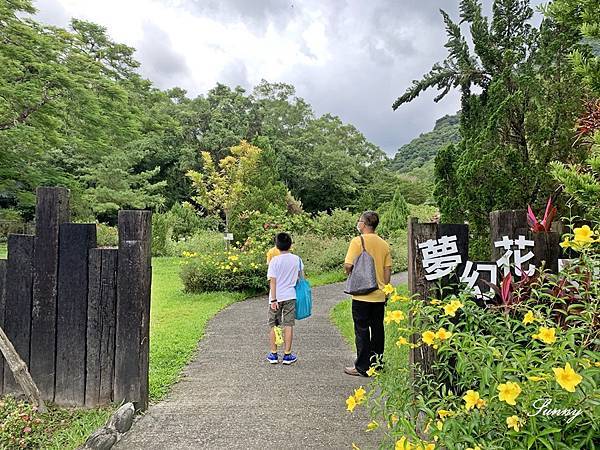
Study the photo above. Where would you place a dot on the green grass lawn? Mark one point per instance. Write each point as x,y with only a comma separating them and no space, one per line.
3,251
341,316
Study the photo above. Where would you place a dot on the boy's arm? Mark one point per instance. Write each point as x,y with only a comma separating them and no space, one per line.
273,299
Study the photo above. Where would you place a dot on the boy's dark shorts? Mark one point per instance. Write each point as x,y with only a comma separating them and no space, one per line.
285,315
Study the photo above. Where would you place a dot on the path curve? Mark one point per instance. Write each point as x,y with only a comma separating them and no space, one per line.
229,397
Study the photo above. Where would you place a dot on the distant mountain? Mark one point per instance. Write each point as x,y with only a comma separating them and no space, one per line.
424,148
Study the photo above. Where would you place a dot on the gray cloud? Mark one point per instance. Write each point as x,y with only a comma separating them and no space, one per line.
51,12
160,62
235,74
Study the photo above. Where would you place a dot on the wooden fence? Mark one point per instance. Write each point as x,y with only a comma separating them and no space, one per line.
78,315
504,226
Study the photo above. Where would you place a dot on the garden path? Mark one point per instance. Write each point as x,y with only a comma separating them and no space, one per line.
229,397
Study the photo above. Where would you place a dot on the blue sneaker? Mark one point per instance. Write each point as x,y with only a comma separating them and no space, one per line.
289,359
273,358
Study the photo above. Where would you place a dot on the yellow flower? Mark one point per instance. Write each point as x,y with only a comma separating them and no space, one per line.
535,378
451,308
567,377
402,341
584,234
403,444
278,336
597,363
471,399
428,337
481,403
546,335
351,403
439,425
442,334
566,243
477,447
394,316
372,425
394,419
359,394
388,289
371,372
444,413
435,301
514,422
355,447
509,392
529,318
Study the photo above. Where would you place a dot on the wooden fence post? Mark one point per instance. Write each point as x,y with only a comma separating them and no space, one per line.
509,223
52,209
2,306
75,241
134,275
101,325
17,315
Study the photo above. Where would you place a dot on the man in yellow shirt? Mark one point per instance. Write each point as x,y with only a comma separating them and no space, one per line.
368,310
272,253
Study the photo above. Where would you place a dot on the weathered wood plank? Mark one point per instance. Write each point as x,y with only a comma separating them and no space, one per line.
417,284
546,250
101,325
17,315
461,231
75,241
52,210
2,306
133,308
509,223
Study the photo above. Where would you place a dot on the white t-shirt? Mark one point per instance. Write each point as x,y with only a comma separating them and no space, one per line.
285,268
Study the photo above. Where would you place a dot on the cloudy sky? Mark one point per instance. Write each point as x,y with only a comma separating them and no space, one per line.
352,58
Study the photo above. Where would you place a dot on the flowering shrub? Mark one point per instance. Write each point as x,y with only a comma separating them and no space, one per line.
523,374
232,270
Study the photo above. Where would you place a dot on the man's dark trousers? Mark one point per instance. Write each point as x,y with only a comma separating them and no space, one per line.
368,332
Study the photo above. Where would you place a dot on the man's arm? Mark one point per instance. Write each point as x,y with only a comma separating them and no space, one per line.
348,268
387,275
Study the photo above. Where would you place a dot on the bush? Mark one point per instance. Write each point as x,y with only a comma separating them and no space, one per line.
341,223
107,236
394,216
201,242
186,221
399,248
321,255
496,367
162,233
232,270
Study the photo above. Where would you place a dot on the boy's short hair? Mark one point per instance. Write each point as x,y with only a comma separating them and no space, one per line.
283,241
370,219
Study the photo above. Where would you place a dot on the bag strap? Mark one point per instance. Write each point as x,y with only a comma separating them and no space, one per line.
362,241
300,268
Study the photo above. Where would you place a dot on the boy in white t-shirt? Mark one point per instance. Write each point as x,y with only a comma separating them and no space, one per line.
283,274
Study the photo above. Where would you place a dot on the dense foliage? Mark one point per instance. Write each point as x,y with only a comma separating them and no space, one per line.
424,148
520,100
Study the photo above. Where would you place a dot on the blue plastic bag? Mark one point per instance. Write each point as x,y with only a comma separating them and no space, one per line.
303,297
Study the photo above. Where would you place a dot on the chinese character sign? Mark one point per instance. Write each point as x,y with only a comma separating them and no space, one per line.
440,257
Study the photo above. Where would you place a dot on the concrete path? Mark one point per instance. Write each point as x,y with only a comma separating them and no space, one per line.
229,397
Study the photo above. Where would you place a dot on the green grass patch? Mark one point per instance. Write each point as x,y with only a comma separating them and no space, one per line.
3,251
177,323
341,316
323,278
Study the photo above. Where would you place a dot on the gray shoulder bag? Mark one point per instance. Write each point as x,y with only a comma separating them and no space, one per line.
362,279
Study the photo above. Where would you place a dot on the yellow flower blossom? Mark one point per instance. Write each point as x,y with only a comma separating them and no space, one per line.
388,289
546,335
566,243
278,336
359,394
508,392
355,447
372,425
584,234
471,399
435,301
443,413
529,318
371,372
481,403
394,419
442,334
514,422
394,316
402,341
535,378
451,308
428,337
597,364
351,403
477,447
567,377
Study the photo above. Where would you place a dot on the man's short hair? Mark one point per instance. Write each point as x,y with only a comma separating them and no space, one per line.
370,218
283,241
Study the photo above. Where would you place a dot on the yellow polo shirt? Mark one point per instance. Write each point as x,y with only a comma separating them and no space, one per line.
272,253
380,252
